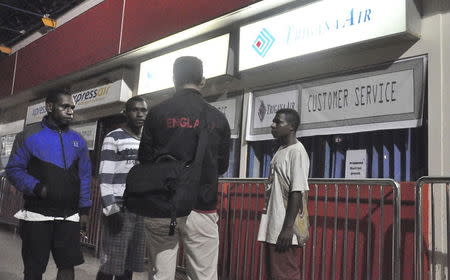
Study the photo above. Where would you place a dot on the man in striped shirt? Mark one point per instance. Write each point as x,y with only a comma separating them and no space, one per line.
123,232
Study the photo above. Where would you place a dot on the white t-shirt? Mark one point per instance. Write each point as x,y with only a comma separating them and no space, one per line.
288,173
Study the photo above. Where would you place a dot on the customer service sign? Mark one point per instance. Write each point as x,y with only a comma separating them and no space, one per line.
319,26
385,96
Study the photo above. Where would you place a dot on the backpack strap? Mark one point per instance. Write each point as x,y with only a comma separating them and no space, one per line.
198,159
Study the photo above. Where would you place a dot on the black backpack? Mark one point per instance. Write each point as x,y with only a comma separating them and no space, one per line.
167,185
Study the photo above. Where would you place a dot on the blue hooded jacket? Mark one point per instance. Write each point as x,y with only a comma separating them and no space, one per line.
57,159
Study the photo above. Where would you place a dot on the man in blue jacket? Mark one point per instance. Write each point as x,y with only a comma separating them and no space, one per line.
50,165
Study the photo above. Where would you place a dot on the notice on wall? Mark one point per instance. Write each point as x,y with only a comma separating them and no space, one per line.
6,145
356,164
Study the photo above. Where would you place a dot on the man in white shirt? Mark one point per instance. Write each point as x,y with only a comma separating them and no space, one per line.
285,197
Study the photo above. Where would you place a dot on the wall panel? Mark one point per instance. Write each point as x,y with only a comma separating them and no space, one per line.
6,75
87,39
148,21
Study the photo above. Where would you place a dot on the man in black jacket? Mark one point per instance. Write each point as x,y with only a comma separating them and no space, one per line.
172,128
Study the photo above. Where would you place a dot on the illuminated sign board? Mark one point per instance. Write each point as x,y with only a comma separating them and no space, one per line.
157,73
117,91
388,96
319,26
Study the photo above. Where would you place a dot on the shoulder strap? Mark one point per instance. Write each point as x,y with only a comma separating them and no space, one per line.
203,137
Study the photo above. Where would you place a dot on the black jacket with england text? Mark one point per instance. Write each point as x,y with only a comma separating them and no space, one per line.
172,128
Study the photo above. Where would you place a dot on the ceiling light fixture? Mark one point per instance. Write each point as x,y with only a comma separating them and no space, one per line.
5,50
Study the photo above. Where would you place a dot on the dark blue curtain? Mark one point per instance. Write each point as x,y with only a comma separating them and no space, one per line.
398,154
233,167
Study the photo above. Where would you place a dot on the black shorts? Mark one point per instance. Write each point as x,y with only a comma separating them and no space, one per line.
62,238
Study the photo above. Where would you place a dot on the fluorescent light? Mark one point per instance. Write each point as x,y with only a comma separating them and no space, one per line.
156,73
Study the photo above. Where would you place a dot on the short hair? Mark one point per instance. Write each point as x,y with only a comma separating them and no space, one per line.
292,117
52,95
133,100
187,70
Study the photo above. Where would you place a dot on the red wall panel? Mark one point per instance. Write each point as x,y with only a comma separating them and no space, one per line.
94,36
6,75
83,41
148,21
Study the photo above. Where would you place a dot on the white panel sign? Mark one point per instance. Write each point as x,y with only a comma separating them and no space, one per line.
36,112
157,73
265,107
117,91
380,95
88,131
387,96
319,26
228,108
11,127
356,164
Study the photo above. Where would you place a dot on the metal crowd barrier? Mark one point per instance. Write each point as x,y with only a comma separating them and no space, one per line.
11,201
93,234
354,233
429,257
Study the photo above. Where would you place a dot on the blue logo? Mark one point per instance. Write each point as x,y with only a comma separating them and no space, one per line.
263,42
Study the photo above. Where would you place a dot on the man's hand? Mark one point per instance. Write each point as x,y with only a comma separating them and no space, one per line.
114,222
284,240
84,222
40,190
44,192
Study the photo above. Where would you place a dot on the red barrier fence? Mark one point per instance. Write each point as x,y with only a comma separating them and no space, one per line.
357,230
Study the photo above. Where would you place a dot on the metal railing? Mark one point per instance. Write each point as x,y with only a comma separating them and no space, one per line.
11,201
430,254
354,234
355,229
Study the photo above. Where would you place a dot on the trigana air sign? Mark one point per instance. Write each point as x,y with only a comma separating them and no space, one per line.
156,74
117,91
319,26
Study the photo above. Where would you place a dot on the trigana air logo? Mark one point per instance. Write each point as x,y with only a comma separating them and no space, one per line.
262,110
263,42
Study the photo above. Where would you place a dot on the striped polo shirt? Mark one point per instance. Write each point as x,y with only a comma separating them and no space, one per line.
119,154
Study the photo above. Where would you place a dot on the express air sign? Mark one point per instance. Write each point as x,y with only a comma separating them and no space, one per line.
319,26
117,91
